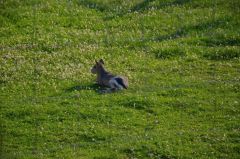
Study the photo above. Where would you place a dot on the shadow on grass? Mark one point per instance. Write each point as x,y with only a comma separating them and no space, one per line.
221,41
222,54
94,87
211,24
93,5
139,7
182,32
145,5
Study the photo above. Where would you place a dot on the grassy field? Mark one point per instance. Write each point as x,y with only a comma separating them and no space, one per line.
182,58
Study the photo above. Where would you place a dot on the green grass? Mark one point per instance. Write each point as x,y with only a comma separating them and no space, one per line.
181,58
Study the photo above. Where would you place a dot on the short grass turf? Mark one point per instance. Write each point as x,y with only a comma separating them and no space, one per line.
181,58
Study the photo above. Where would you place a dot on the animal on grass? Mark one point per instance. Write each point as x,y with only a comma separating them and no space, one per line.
107,79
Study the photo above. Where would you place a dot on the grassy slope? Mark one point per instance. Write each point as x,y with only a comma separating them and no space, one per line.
182,59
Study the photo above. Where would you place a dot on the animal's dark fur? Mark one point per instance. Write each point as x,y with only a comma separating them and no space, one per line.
120,81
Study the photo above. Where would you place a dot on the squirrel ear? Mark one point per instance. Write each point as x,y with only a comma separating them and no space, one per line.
101,60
